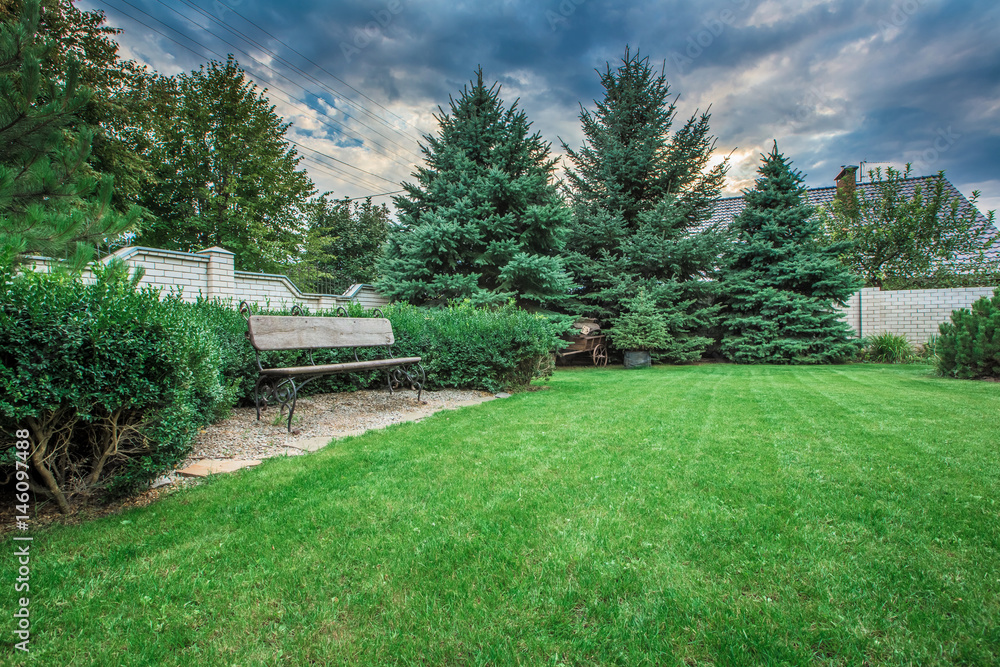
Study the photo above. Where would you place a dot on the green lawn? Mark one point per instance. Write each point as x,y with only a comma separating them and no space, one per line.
714,514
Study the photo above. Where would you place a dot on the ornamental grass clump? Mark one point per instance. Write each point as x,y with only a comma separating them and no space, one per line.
889,348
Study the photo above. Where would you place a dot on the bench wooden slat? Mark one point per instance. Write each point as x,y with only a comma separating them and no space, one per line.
273,332
346,367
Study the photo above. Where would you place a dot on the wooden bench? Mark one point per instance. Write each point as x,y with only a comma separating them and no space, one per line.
295,332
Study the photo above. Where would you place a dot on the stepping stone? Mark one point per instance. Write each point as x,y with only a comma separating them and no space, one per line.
501,394
311,444
214,467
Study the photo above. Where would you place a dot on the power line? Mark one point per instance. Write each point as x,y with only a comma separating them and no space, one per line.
364,171
217,54
319,67
316,165
381,194
271,69
249,39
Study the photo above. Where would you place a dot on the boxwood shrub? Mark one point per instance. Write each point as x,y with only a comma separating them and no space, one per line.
111,381
462,346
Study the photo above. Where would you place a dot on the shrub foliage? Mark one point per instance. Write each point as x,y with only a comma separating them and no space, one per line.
110,381
969,345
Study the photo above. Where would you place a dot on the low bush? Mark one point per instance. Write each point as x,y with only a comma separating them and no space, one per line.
110,381
969,345
889,348
491,349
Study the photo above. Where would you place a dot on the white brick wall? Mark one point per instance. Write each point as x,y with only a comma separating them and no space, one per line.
209,273
915,314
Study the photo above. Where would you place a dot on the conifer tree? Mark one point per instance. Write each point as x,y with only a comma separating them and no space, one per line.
641,195
484,220
51,202
782,283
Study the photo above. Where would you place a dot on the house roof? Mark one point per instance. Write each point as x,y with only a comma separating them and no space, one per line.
728,208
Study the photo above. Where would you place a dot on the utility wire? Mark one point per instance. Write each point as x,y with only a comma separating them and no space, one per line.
274,71
364,171
304,105
320,67
263,48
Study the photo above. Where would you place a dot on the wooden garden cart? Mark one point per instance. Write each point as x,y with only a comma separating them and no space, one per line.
586,341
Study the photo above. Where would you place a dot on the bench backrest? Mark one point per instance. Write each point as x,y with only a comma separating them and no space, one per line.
272,332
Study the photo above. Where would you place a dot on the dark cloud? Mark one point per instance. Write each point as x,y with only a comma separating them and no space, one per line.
834,82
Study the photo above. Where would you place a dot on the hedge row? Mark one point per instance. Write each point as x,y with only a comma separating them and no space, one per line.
113,381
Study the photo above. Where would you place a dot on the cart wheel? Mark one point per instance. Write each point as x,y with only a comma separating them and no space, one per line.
600,355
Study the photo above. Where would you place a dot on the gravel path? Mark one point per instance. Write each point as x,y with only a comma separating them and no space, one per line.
324,416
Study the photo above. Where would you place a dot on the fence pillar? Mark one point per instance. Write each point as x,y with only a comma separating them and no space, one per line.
221,278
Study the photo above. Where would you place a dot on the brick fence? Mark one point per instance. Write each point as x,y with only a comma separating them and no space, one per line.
914,313
210,273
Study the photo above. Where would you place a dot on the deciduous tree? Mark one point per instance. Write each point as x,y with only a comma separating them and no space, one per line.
225,174
897,232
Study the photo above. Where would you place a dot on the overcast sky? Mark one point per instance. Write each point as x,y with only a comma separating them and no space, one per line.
835,83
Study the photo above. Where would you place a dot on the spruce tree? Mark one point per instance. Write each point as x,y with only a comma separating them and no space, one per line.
782,283
484,220
51,202
641,196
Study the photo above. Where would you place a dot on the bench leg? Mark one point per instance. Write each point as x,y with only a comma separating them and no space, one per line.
286,393
414,375
257,396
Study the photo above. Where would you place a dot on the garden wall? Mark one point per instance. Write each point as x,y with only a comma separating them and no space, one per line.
210,273
915,313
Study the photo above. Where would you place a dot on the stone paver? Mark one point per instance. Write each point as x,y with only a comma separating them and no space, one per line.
214,466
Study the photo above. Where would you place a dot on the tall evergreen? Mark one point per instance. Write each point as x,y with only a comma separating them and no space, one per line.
484,220
641,196
782,283
51,202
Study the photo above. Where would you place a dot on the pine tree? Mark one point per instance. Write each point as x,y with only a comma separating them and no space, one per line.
484,220
226,176
782,283
51,201
641,196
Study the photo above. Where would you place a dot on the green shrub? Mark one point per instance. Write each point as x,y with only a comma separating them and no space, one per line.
491,349
969,345
111,381
889,348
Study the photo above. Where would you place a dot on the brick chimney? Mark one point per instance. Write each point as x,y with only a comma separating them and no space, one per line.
847,180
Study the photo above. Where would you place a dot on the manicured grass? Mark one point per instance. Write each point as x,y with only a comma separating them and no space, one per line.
676,515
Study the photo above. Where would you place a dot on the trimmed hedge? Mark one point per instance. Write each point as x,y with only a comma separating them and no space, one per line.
111,381
969,345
